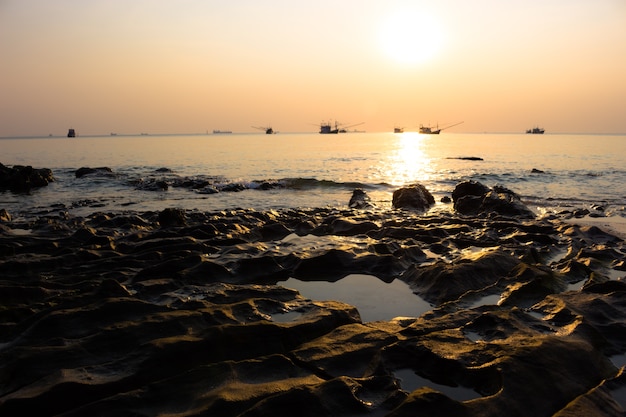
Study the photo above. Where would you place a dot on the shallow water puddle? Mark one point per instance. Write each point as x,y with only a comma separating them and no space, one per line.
619,395
618,360
410,381
375,299
487,300
286,317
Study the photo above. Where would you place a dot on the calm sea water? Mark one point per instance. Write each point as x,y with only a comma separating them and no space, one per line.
289,170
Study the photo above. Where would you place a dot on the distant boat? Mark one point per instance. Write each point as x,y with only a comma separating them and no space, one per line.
435,130
113,134
398,130
220,132
71,133
326,128
268,130
429,130
536,131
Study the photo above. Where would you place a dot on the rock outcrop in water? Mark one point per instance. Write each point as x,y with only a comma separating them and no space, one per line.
413,197
360,200
183,313
22,179
472,197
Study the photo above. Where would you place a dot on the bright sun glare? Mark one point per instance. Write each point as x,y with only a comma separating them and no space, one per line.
410,36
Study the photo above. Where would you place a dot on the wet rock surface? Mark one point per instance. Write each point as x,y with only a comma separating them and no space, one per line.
22,179
180,313
472,198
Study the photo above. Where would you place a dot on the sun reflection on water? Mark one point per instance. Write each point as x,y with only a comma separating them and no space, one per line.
409,163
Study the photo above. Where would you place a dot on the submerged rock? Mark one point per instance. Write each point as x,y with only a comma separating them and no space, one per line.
101,171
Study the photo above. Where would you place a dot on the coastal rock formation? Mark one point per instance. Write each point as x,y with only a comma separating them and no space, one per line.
360,200
472,198
21,179
101,171
413,197
187,313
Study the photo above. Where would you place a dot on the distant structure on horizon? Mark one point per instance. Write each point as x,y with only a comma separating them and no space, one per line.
221,132
536,131
71,133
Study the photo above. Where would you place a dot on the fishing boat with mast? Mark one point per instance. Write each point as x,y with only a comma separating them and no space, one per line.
435,130
327,128
268,130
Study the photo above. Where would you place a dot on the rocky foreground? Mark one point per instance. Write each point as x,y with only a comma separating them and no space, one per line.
179,314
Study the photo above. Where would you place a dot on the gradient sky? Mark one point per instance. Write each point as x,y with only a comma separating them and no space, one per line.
184,66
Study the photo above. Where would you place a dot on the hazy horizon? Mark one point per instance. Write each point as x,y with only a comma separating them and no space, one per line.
192,66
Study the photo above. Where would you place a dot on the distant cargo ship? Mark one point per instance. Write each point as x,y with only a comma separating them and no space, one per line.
220,132
71,133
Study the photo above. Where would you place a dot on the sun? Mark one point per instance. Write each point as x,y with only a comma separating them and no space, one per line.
410,36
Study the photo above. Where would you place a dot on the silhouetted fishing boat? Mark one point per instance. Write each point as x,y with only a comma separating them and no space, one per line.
398,130
71,133
268,130
435,130
536,131
326,128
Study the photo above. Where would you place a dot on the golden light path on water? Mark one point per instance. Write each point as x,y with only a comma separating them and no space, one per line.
409,161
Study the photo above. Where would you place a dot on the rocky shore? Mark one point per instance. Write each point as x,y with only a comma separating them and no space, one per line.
180,313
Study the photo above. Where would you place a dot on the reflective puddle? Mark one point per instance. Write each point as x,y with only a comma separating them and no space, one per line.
375,299
410,381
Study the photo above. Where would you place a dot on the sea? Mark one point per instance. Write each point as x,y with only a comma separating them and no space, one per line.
215,172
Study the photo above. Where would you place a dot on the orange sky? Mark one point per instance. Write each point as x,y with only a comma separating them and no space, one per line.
184,66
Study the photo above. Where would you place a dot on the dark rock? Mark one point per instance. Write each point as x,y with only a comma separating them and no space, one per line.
5,216
505,202
172,217
445,199
471,198
578,213
536,171
468,158
469,188
443,282
349,227
151,185
360,200
414,197
101,171
21,179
